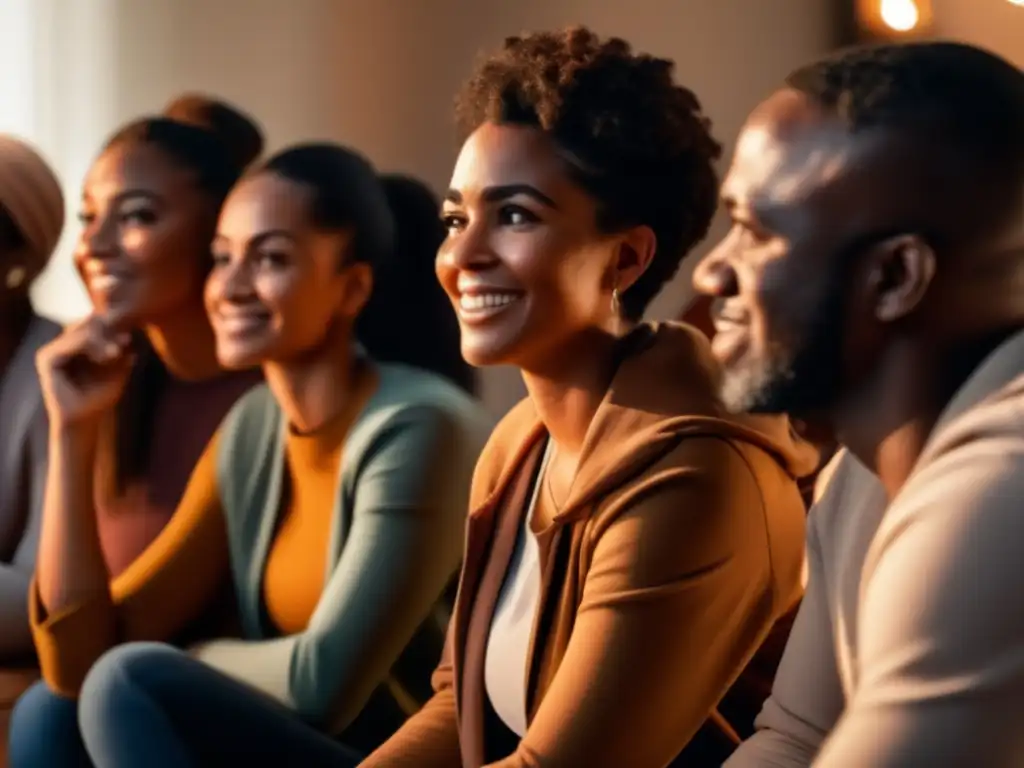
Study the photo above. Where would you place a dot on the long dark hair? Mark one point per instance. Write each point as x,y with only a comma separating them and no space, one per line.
216,142
424,332
397,231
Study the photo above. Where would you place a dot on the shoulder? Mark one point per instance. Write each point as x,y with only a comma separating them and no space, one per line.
416,407
974,461
701,479
22,393
255,407
249,429
974,477
706,499
698,510
961,505
409,395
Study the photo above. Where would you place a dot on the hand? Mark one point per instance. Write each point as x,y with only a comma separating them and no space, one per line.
83,372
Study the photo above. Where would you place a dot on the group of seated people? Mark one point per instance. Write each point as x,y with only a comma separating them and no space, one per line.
251,509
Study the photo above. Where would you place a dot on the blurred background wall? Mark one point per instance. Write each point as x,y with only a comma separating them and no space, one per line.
381,74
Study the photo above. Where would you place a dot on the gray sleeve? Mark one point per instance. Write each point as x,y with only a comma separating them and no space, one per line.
36,455
404,545
806,699
16,637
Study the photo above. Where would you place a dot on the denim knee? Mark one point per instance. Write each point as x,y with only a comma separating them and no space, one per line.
119,675
44,731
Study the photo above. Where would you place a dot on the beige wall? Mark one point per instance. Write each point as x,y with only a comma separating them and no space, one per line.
994,24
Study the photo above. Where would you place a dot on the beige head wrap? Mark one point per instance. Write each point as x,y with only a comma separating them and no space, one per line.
31,195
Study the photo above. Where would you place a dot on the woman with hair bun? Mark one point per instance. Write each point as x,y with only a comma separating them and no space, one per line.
332,501
133,392
407,288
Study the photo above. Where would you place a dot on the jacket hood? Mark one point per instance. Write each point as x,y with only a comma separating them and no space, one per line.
665,388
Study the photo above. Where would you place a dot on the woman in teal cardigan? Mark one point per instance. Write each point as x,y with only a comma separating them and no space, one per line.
332,500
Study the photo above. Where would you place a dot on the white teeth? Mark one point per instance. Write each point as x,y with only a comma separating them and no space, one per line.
239,323
103,283
478,301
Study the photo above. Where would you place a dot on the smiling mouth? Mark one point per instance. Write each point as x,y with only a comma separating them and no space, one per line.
483,306
104,283
728,324
240,325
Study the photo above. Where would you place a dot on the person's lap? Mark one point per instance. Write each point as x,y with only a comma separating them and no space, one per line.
43,731
14,681
147,704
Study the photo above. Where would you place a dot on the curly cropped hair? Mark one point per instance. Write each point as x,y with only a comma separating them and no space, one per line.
968,103
634,139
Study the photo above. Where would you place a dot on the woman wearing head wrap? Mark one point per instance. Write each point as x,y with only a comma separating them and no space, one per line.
31,219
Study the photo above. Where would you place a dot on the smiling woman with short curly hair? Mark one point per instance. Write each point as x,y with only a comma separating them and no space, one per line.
629,545
630,135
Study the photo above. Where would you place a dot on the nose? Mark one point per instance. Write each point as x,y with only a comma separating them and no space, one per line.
470,249
97,241
714,275
231,282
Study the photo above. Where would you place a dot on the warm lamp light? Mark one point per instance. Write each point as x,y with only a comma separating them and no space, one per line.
900,15
889,19
1016,2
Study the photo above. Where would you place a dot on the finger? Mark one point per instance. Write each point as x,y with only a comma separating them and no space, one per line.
102,350
108,327
90,339
117,322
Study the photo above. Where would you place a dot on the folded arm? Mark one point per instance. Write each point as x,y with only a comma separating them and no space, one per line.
402,549
156,597
678,596
939,627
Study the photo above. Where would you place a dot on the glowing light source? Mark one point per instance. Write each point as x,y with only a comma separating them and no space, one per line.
902,15
1016,2
878,20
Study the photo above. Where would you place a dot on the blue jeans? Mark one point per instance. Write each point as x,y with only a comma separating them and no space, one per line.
151,705
44,732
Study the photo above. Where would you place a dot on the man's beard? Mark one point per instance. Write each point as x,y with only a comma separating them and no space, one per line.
803,378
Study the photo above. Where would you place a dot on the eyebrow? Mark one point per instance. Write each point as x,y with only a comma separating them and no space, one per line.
257,240
730,204
127,194
746,213
504,192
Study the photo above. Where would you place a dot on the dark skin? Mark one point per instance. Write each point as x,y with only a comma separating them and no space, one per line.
832,303
15,317
15,306
143,253
521,231
282,295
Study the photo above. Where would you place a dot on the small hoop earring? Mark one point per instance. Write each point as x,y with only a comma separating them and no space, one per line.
15,277
615,302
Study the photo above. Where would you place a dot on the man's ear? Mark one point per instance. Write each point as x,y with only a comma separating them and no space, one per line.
902,271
